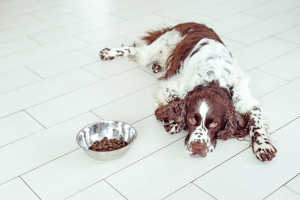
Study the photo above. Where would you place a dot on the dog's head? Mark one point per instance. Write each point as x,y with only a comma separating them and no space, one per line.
207,113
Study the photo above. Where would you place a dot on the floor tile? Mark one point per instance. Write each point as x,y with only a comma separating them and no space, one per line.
76,170
41,147
262,52
190,191
100,93
61,63
16,45
15,79
283,193
265,29
273,8
137,28
244,177
138,106
102,189
262,83
43,91
16,189
105,70
31,56
233,23
284,66
173,167
17,126
281,106
294,185
291,35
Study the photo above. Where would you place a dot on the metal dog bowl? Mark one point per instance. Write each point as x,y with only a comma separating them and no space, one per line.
110,129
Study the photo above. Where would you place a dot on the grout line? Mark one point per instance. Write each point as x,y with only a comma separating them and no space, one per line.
260,65
231,157
204,191
41,165
31,116
280,186
20,138
93,113
126,166
108,183
124,96
144,157
83,189
142,119
277,36
223,162
175,191
290,189
30,188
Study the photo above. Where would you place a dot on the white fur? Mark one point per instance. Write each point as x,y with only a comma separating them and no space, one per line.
159,50
212,62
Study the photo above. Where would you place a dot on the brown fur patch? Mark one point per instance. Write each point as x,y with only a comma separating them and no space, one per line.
192,33
153,35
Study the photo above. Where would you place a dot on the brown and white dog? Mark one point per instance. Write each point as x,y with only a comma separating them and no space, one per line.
202,89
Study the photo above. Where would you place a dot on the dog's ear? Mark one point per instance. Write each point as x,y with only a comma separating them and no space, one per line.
236,125
231,124
174,113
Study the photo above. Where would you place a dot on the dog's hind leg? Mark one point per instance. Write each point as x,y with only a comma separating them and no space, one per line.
152,53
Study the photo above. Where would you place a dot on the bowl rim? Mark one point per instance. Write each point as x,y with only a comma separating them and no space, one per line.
106,121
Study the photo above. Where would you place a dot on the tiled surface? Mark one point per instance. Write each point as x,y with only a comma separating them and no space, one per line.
261,178
52,84
102,189
294,185
283,193
16,189
190,191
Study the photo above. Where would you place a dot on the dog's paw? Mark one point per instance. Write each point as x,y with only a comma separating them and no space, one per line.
156,68
106,54
263,149
171,127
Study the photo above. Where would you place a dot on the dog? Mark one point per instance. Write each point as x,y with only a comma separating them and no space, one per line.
202,90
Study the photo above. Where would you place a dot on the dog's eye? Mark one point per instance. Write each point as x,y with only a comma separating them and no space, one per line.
194,119
212,124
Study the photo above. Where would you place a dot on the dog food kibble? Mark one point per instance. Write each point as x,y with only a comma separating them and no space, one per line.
108,144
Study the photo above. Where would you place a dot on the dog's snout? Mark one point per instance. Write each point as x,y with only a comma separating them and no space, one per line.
199,148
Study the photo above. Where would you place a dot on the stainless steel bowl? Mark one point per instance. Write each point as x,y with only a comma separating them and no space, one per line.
110,129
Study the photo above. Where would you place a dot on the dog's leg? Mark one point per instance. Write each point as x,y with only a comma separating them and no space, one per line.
110,54
261,143
154,55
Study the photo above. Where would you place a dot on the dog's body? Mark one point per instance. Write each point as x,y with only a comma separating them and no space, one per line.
202,89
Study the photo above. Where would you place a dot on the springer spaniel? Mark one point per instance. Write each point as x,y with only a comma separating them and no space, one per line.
202,89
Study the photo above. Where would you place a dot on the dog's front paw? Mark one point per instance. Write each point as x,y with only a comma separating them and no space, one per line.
171,127
106,54
263,148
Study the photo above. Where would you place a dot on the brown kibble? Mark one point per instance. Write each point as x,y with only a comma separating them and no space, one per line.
107,144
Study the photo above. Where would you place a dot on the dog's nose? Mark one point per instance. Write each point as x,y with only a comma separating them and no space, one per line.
199,148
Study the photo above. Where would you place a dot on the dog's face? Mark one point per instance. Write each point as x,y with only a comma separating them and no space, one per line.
205,119
207,113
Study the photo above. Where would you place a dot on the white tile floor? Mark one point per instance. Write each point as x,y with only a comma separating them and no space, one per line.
52,84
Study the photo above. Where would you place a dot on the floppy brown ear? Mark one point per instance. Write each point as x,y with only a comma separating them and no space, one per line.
231,125
237,125
172,114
